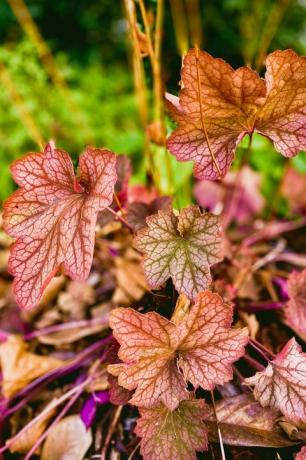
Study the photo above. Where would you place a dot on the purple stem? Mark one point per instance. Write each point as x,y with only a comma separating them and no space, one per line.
66,326
254,307
55,421
259,367
30,390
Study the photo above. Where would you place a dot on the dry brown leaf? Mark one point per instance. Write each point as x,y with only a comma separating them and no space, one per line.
19,366
243,422
131,282
68,440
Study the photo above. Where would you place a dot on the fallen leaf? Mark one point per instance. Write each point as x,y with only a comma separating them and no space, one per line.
67,440
131,283
282,384
19,366
218,106
174,434
160,357
53,216
244,422
295,312
182,248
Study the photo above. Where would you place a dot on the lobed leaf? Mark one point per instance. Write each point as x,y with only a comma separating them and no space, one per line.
218,106
160,357
283,383
53,216
174,434
182,248
295,312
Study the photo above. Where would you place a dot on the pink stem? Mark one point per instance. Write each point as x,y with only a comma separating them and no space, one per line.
121,219
66,326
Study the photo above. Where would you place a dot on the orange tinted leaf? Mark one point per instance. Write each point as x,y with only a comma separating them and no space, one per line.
172,435
296,307
160,357
283,383
182,248
53,216
283,116
218,106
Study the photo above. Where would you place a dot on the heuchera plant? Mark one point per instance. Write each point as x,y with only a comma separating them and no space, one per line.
163,363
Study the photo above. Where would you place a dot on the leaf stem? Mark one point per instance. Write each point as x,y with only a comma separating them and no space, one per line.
263,348
122,220
255,364
111,432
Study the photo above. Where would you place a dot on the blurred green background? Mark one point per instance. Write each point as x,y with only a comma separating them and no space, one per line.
90,98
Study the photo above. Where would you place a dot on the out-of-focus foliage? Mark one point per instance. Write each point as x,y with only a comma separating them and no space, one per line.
104,97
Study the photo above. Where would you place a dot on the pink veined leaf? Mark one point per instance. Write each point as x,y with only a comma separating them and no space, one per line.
181,247
218,106
172,435
53,216
282,384
295,312
302,454
160,357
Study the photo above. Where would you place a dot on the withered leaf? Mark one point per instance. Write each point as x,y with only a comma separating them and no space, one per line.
218,106
53,216
244,422
182,248
160,357
67,440
172,435
282,384
19,366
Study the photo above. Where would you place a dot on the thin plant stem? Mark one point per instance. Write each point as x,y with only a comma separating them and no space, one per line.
111,432
122,220
255,364
62,413
47,409
260,345
218,427
25,116
66,326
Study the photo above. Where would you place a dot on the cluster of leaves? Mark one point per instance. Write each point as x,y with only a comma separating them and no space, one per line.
165,364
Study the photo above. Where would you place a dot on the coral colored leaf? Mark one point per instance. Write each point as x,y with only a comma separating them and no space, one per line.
282,118
302,454
182,247
218,106
160,357
53,216
295,312
170,435
283,383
